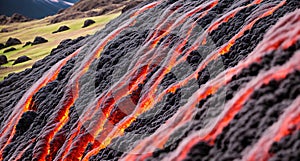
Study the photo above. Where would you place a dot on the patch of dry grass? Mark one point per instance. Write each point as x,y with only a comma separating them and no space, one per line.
29,30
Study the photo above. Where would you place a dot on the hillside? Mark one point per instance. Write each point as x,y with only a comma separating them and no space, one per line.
27,31
88,8
170,80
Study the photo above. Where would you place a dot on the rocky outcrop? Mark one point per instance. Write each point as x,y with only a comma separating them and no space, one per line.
12,41
39,40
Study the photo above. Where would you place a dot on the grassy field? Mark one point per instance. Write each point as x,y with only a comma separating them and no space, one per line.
29,30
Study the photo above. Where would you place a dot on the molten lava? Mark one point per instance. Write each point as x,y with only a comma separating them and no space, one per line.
170,80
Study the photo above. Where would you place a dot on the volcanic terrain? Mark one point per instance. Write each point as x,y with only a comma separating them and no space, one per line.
207,80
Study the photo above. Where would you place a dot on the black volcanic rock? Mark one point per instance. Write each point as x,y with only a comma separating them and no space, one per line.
9,50
150,92
3,59
39,40
12,41
27,43
91,8
61,29
2,46
25,122
21,59
88,22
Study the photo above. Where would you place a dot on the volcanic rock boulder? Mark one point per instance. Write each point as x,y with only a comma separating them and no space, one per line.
27,44
168,80
61,29
39,40
2,46
12,41
9,50
3,59
21,59
88,22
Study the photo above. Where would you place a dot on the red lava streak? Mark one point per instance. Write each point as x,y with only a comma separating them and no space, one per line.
25,102
290,118
126,90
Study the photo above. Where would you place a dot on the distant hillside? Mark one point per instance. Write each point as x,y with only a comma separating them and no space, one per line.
14,18
90,8
34,8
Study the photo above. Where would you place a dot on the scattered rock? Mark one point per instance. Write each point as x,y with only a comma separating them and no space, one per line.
3,59
27,43
12,41
39,40
88,22
61,29
3,30
21,59
9,50
2,46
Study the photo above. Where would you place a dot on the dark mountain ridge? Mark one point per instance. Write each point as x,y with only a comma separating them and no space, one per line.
34,8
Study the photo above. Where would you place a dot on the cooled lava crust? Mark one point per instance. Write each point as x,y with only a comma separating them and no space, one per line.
168,80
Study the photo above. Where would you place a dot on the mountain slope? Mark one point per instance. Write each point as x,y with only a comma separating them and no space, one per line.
33,8
193,80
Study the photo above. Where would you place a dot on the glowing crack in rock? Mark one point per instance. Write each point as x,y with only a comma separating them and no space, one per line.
168,80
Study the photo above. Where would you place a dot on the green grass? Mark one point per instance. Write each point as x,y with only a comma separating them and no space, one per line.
29,30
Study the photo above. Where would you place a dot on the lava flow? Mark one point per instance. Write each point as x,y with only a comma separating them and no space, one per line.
166,80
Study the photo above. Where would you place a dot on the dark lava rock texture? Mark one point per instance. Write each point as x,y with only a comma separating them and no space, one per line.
201,80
